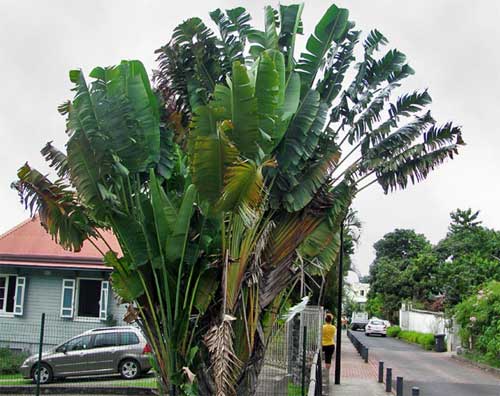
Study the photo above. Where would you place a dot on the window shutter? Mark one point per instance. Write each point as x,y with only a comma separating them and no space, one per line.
19,297
67,298
103,302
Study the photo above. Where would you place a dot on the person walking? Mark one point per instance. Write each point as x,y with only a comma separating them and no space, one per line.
328,340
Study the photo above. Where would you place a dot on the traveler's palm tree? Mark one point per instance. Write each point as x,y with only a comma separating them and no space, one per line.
241,157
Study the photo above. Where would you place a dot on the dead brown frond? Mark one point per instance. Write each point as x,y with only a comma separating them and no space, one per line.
225,365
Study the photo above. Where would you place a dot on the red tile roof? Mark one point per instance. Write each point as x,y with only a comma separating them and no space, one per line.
28,244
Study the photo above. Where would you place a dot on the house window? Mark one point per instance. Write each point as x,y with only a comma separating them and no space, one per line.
12,294
362,293
89,294
84,298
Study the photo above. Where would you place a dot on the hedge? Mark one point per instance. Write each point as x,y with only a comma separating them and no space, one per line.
10,361
425,340
393,331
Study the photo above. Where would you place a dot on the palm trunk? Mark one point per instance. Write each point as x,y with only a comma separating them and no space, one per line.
248,382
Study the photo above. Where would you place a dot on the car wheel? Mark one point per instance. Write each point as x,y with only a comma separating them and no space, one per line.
129,369
45,374
367,334
384,335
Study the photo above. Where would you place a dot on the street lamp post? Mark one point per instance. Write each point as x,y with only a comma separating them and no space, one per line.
339,305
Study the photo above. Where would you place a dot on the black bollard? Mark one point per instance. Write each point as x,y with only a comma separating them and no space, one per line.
399,386
388,380
380,372
366,354
415,391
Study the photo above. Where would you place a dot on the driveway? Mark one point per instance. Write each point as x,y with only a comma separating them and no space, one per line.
436,374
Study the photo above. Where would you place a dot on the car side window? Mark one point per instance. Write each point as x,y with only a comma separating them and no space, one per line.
129,338
106,340
78,344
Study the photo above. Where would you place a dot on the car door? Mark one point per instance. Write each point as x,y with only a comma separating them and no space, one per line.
71,358
104,352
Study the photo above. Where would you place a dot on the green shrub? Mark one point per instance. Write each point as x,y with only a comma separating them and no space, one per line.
10,361
393,331
424,339
479,320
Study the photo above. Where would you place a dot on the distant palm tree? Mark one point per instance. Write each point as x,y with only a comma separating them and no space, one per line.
242,157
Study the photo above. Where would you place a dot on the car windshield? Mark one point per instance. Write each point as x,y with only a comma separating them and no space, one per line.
377,322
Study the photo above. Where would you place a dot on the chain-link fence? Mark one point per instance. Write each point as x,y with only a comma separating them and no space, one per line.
290,354
81,356
85,356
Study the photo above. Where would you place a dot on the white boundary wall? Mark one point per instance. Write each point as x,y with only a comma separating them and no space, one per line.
421,321
428,322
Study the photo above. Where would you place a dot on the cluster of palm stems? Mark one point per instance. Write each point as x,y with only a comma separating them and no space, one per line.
229,175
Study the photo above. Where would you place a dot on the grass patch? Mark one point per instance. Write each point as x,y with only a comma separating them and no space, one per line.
145,382
294,390
480,358
13,379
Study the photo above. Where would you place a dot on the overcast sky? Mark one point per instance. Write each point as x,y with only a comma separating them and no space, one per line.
453,45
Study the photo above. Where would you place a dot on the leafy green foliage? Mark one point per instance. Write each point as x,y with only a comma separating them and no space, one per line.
375,306
425,340
331,28
393,331
228,174
10,361
479,319
469,256
404,269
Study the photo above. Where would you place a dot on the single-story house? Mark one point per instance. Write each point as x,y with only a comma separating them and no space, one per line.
38,276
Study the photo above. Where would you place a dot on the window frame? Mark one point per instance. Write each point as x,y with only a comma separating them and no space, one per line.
73,292
3,311
90,319
19,308
5,294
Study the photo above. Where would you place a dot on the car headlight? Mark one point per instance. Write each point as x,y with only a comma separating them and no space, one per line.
28,361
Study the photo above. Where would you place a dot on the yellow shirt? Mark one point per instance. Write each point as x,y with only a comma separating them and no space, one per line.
329,331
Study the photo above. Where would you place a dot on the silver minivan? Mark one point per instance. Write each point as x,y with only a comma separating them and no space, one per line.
122,350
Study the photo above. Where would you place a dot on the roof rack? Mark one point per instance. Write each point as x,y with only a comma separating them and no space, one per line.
111,328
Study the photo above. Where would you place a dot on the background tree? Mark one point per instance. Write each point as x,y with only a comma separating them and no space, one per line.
479,319
404,268
469,255
241,159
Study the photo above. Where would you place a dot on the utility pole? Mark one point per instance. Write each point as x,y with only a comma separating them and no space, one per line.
339,305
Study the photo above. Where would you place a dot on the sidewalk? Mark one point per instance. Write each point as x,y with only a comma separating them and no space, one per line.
357,377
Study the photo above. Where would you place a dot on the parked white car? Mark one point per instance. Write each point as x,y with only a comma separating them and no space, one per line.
376,326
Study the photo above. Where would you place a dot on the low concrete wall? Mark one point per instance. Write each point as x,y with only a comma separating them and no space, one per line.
422,321
429,322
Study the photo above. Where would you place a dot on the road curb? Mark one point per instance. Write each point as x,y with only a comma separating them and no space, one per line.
484,367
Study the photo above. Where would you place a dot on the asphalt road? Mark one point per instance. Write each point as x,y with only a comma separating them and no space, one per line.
436,374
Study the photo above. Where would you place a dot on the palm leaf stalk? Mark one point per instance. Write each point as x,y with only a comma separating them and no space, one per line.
241,161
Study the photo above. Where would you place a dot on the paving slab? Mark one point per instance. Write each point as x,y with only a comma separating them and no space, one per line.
357,377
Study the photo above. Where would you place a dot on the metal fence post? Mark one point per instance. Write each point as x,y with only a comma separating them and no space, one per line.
304,345
415,391
380,372
319,375
388,380
399,386
42,327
